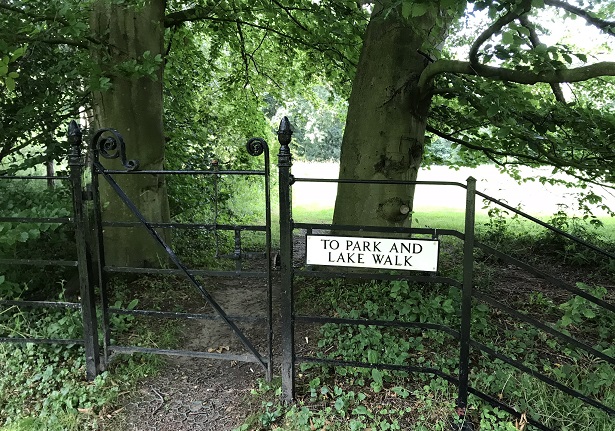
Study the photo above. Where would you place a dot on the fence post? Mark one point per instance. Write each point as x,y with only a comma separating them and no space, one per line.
466,296
286,262
88,305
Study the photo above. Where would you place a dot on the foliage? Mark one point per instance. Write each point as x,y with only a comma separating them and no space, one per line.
220,62
318,117
30,199
350,398
511,235
43,386
497,119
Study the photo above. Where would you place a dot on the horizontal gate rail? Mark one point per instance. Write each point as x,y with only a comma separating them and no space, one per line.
51,220
170,271
63,341
390,367
435,279
203,226
189,354
41,304
384,182
384,323
187,172
40,262
187,316
33,177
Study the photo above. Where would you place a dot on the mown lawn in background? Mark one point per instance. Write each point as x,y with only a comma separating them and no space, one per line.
449,219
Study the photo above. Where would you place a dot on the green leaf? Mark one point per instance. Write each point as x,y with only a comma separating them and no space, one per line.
419,9
566,320
508,38
339,404
377,376
18,53
10,83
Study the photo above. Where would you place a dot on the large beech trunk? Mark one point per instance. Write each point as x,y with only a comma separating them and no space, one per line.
134,107
386,121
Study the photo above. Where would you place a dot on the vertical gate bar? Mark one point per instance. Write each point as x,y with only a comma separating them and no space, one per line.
100,260
466,296
286,262
269,375
88,304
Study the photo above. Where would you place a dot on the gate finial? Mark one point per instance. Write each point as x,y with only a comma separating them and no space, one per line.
74,139
285,133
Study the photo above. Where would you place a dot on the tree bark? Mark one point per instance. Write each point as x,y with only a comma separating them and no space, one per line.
134,107
385,126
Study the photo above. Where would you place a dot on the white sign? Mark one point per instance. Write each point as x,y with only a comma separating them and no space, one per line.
385,253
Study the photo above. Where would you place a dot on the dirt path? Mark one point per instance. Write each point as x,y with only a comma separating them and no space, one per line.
202,394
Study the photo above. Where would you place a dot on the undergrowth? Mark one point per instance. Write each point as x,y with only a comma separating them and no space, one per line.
357,398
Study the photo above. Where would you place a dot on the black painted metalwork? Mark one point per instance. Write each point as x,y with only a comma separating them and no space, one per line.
86,306
113,146
286,262
109,143
467,345
88,302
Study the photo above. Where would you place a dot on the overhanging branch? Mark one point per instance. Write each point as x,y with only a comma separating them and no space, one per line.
492,155
496,27
606,26
583,73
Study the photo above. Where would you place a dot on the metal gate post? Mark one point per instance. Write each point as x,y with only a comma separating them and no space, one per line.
88,305
99,248
286,262
466,296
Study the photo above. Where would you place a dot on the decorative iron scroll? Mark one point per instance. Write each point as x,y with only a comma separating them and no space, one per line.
256,146
109,143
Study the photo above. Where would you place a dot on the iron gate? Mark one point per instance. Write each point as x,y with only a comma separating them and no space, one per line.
108,144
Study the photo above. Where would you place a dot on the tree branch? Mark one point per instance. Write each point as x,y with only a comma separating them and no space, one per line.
53,41
491,154
555,87
496,27
606,68
606,26
197,13
51,18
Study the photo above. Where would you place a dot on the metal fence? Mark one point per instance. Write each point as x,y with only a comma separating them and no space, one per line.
470,295
108,143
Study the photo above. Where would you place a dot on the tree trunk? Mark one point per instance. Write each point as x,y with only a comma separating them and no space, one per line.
386,120
134,107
